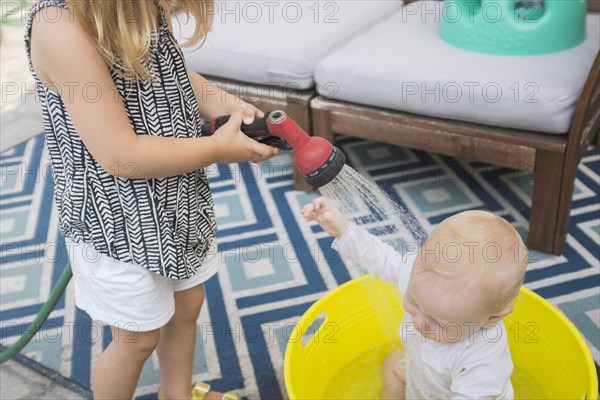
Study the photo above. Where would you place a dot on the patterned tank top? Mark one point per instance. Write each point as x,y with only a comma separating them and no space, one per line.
164,224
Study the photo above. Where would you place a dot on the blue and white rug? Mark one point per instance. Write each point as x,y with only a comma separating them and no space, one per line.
274,264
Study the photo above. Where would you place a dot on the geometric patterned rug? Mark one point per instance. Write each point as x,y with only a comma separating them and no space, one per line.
274,265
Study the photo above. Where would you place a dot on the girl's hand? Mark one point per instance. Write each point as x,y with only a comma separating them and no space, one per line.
232,145
250,112
329,217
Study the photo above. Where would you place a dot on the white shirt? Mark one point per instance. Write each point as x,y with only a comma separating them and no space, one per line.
477,368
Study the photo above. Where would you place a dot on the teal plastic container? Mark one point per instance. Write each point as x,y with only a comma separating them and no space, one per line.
514,27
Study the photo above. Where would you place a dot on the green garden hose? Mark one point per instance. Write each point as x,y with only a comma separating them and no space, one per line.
41,317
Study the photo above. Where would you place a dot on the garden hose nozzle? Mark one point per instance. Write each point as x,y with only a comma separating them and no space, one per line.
317,159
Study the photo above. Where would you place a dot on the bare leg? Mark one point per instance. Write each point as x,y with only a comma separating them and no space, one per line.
394,376
177,345
126,354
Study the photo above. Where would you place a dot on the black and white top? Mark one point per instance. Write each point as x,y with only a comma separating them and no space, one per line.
164,224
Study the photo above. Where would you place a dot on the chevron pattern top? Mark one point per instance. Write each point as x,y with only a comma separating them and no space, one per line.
164,224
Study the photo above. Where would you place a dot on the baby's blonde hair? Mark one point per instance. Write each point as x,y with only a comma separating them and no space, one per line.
482,246
123,29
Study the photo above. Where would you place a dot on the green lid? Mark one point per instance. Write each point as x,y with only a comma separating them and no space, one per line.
514,27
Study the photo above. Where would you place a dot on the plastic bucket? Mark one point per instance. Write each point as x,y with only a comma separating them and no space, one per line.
361,318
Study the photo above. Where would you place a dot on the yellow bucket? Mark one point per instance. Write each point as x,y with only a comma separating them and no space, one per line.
342,359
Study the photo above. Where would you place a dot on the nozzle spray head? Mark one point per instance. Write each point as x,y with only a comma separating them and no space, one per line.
316,159
319,162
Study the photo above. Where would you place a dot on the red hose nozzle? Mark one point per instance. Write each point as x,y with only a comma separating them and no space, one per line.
317,159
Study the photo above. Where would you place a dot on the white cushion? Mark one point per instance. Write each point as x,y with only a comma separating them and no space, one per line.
277,43
403,64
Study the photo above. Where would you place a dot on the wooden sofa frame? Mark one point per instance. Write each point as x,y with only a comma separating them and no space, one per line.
552,158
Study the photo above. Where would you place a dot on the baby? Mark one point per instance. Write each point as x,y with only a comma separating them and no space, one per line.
456,290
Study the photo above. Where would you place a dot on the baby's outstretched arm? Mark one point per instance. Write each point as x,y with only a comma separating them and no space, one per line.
328,216
356,242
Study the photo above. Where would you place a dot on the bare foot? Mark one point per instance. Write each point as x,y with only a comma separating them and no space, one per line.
213,395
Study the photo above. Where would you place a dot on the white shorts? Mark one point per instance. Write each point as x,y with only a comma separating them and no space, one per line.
124,295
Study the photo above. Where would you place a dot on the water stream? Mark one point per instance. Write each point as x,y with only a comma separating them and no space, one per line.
363,201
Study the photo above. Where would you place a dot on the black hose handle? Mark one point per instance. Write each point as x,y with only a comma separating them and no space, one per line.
257,130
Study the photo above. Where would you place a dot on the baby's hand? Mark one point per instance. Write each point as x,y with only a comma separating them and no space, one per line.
329,217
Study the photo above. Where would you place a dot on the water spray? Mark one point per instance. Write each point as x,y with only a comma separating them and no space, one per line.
316,159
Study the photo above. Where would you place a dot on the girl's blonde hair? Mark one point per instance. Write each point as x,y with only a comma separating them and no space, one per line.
124,29
482,248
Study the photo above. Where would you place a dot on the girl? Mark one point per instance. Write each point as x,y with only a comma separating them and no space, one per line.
122,121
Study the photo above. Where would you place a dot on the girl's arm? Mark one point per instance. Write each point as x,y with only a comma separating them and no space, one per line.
66,60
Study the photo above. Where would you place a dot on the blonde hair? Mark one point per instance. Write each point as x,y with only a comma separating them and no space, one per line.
482,246
123,30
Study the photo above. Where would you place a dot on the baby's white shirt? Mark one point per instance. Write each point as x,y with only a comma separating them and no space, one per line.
477,368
